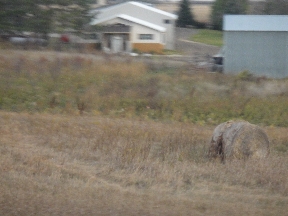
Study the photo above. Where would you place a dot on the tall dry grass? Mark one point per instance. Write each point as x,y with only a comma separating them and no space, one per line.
107,135
149,88
73,165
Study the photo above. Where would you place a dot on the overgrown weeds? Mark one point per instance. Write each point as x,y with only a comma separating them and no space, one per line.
97,85
84,131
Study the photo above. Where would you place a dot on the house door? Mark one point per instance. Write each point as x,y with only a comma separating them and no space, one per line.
117,44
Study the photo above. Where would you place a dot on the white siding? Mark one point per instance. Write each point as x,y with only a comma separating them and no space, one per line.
146,13
138,29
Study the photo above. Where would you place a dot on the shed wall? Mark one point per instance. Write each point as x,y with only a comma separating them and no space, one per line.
261,53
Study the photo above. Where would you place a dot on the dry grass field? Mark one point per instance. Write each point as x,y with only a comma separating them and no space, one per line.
138,146
87,165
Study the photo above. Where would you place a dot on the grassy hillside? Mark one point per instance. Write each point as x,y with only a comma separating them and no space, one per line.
148,89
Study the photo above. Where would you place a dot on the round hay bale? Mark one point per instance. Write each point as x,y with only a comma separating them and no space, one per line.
238,139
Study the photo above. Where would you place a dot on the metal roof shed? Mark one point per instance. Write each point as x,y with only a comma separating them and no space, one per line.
257,43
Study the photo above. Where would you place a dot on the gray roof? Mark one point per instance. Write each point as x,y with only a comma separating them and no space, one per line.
129,18
141,5
255,23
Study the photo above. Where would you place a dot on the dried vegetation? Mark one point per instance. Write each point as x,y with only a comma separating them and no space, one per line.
146,88
57,160
65,165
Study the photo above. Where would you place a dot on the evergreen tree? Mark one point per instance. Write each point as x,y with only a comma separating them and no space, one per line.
14,14
217,14
221,7
71,14
42,15
185,17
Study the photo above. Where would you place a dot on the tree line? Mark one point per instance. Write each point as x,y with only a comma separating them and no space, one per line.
41,16
221,7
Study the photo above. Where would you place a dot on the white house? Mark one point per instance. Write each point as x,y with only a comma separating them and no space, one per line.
133,25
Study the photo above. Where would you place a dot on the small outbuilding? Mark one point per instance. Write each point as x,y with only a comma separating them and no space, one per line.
256,43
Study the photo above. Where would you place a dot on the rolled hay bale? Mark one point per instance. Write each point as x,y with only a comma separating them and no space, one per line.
238,139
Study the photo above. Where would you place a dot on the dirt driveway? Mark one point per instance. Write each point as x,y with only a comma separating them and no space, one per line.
190,48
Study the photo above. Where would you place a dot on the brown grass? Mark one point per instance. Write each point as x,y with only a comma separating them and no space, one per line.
87,165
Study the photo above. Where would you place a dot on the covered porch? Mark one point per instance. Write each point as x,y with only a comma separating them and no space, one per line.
116,38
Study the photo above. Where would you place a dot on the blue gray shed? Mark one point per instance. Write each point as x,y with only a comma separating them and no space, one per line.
256,43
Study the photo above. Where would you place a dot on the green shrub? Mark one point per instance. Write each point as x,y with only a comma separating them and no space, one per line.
245,75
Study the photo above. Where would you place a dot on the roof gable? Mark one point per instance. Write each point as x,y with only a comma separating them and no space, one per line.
129,18
139,5
255,23
144,6
131,7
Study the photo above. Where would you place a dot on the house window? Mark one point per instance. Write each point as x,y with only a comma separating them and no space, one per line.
166,21
146,36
